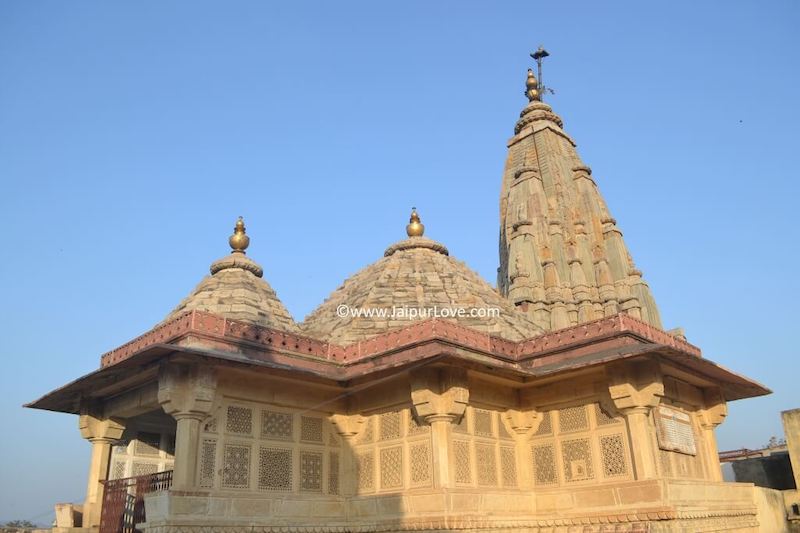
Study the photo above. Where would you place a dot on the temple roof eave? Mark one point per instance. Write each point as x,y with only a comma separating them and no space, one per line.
216,339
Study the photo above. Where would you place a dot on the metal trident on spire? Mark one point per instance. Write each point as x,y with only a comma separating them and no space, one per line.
539,55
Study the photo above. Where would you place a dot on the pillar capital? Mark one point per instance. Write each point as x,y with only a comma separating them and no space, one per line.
635,386
95,427
439,393
186,391
715,408
347,426
522,422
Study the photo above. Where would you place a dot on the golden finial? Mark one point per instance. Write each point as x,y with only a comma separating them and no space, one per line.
415,228
531,87
239,241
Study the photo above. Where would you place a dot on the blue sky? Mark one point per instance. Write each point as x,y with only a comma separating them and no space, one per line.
133,134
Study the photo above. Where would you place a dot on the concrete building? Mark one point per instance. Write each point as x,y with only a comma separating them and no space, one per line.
553,403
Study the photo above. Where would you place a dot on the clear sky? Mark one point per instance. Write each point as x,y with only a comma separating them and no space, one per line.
133,134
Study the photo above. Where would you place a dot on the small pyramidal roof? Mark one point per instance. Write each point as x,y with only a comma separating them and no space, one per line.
416,275
236,290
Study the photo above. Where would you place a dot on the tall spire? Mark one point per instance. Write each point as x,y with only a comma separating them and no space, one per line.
562,256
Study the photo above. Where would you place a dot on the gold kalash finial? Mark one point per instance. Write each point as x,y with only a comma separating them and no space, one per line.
532,87
239,241
535,89
415,228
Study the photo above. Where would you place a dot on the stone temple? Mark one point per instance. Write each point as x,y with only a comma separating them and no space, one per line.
555,402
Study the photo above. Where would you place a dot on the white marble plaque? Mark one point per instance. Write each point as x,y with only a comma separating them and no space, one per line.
674,429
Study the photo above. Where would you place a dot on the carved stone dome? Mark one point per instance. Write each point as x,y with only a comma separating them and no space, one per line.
414,274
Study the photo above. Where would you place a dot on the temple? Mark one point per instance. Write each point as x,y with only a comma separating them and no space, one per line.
554,402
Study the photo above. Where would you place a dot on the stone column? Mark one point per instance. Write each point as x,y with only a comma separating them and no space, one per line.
711,416
440,442
440,397
186,392
636,388
102,433
348,427
641,443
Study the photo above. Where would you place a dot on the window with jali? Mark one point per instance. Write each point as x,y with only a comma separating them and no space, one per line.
287,452
118,470
274,469
311,471
365,470
508,466
208,460
420,463
544,464
603,418
310,429
573,419
239,420
579,444
483,423
276,425
391,464
486,464
612,451
390,425
545,426
143,469
415,426
147,444
333,473
236,467
463,473
577,457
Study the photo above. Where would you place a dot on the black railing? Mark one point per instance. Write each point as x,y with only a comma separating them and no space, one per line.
123,501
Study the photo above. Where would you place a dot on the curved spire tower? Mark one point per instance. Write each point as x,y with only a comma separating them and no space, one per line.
562,256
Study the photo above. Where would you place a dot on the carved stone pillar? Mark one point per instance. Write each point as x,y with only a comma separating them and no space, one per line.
348,427
440,397
102,433
711,416
636,388
186,392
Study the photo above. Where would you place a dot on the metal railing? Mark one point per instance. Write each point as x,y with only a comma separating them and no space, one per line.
123,501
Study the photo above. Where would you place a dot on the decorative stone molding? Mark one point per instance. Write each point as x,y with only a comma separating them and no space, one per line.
439,393
537,111
237,261
639,521
416,242
273,341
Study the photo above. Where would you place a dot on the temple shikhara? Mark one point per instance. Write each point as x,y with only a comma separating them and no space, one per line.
556,402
